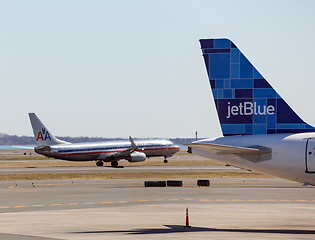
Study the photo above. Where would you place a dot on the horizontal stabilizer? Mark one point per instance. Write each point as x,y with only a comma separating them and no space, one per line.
224,149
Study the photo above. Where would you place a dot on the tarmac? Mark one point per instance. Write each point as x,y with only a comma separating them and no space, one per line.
263,208
94,169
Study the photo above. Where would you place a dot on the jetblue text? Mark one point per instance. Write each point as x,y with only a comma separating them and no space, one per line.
249,108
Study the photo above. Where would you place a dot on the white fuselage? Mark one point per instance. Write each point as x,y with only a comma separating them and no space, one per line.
292,156
104,150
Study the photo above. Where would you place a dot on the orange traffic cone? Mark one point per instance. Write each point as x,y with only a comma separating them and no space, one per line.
187,218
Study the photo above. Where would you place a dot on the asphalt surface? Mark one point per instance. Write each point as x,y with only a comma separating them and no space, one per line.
266,208
92,169
124,209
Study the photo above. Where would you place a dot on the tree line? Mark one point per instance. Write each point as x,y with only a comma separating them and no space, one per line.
6,139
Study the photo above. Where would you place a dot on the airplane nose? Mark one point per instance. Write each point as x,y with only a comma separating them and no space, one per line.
176,148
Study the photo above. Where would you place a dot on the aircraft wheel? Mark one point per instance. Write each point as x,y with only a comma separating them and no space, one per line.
99,163
114,164
165,161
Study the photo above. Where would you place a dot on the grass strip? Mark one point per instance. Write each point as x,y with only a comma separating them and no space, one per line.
130,175
150,162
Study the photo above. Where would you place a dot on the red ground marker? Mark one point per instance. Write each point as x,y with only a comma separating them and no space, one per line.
187,218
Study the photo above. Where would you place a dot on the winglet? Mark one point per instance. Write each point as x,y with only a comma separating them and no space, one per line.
133,145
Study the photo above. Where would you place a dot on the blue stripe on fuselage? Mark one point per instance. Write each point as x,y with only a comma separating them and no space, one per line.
80,148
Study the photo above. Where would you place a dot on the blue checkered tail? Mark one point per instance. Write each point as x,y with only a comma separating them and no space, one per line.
246,103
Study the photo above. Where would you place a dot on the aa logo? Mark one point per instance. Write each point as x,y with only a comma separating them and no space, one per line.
43,135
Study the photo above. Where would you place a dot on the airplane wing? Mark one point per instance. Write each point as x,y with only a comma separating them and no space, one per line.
225,149
127,152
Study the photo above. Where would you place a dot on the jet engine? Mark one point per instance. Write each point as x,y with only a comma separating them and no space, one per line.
136,157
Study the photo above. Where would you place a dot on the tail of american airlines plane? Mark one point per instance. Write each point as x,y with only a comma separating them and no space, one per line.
246,103
42,136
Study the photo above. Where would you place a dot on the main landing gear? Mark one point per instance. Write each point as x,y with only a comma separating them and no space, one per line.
99,163
165,160
114,163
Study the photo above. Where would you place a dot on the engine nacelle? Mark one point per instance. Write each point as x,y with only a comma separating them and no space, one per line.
136,157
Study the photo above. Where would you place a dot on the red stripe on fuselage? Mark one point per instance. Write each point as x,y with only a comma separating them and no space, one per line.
117,151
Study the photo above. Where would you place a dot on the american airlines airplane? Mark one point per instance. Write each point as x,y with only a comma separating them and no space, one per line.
261,131
50,146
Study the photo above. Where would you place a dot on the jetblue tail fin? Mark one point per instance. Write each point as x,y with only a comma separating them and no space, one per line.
246,103
42,136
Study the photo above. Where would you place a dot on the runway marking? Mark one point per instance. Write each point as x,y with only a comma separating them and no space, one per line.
159,200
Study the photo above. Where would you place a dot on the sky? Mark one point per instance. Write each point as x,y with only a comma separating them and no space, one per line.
134,68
